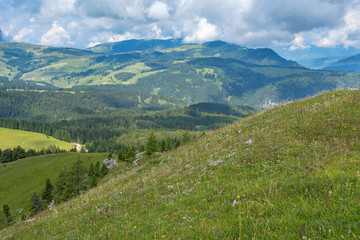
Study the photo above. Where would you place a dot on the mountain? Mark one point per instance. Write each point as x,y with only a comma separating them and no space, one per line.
286,173
346,64
320,63
1,36
211,72
133,45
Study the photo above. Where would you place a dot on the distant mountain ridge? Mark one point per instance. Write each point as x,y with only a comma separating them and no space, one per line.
133,45
214,71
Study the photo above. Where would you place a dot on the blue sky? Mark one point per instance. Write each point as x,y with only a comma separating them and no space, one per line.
294,28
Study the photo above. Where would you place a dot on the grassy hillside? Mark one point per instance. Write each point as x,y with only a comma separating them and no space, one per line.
29,140
290,172
19,179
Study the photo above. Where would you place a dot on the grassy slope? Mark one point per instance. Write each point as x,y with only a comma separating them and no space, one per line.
298,176
12,138
19,179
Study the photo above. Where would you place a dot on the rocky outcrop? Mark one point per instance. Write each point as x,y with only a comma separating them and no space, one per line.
110,163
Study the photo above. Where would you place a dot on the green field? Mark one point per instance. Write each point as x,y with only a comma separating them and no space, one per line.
291,172
11,138
19,179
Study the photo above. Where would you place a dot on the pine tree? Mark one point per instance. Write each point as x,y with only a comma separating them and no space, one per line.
168,144
151,144
104,170
79,177
131,154
7,214
121,155
47,193
97,169
186,136
163,146
36,205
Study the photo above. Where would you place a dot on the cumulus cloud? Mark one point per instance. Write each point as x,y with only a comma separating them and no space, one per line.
203,31
56,36
253,23
158,11
23,35
298,43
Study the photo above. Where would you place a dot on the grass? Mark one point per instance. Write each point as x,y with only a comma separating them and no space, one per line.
29,140
290,172
19,179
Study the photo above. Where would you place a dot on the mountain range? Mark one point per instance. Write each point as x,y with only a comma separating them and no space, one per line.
210,72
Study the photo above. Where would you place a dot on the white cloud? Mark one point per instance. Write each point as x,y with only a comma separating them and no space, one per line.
298,43
56,36
158,11
121,37
348,34
23,35
93,44
202,32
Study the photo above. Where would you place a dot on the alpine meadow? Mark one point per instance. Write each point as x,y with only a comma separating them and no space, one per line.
179,119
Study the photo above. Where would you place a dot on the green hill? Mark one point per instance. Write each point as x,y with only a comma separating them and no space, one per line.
11,138
286,173
19,179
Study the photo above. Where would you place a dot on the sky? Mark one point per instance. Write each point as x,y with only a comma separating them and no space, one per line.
294,28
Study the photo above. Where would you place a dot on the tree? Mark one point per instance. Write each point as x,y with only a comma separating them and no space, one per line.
186,136
131,154
7,214
121,155
47,193
109,156
79,177
36,205
168,144
151,144
97,169
104,170
92,176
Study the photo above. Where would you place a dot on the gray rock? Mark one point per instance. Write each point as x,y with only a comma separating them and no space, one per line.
110,163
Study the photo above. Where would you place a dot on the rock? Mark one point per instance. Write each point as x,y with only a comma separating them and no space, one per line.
110,163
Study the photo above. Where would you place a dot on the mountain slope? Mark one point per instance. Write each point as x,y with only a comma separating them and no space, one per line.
133,45
288,172
347,64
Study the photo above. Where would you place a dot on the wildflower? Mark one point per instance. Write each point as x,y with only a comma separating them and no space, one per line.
330,192
301,111
238,197
219,231
134,226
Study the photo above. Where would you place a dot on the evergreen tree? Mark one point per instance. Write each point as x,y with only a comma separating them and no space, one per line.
63,189
92,176
186,136
47,193
163,146
121,155
151,144
97,169
36,205
7,214
79,177
109,156
104,170
131,154
168,144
